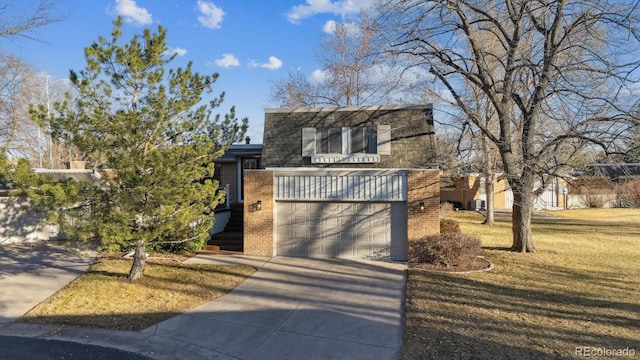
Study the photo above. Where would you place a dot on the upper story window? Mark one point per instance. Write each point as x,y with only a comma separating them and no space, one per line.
364,140
329,141
346,145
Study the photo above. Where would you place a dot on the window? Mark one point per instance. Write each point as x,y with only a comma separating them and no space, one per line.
363,140
329,141
249,163
346,145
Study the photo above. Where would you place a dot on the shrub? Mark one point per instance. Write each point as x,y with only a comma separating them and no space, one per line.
629,194
443,249
446,208
595,201
449,226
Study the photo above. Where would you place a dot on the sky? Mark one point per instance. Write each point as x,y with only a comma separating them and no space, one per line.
249,43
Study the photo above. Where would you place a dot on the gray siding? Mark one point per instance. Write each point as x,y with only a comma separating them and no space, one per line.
410,144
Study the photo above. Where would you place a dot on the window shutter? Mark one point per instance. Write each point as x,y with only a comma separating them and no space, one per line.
308,141
384,139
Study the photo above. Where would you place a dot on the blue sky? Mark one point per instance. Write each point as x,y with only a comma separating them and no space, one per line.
248,42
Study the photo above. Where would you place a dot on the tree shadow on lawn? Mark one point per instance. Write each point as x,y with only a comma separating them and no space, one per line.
463,317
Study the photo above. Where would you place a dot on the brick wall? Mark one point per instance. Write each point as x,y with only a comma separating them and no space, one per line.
412,129
229,175
258,224
423,186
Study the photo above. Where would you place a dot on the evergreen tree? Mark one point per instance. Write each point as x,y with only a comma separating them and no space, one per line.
151,138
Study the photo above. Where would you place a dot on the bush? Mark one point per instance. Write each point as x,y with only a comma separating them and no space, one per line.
449,226
443,249
595,201
629,194
446,208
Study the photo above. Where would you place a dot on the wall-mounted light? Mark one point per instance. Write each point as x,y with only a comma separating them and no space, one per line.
259,205
421,205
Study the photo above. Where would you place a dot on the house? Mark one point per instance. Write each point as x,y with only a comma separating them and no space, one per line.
468,192
342,182
604,185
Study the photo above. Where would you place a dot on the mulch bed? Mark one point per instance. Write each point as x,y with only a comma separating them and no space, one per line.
476,263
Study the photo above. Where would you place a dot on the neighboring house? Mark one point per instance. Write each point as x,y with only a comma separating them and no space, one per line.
343,182
468,192
602,185
19,222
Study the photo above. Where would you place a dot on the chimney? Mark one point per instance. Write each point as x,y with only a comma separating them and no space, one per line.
76,165
247,140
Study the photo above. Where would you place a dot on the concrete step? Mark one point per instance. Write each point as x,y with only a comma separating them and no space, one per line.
215,250
228,241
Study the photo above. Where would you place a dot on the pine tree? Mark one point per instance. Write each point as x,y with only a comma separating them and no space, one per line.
152,137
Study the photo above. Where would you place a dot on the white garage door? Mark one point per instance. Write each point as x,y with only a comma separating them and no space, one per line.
341,229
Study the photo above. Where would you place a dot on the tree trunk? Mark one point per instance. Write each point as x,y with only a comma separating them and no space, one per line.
139,261
521,221
490,176
489,192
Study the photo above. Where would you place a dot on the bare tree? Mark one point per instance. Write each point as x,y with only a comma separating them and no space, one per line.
19,134
15,23
563,78
16,79
354,72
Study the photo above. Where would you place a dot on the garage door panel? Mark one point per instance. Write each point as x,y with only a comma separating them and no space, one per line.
331,237
361,237
315,251
297,207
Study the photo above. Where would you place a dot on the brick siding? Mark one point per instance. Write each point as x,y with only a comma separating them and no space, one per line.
229,175
423,186
258,224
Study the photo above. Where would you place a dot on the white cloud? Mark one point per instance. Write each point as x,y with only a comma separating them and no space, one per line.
227,60
353,28
210,15
178,51
329,27
312,7
130,12
273,64
318,76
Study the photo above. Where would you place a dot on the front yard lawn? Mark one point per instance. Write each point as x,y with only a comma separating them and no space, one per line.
102,297
580,293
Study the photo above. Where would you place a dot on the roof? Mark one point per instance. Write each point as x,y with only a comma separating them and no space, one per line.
612,171
349,108
236,151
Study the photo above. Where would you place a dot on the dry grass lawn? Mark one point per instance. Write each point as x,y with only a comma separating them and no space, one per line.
582,289
103,298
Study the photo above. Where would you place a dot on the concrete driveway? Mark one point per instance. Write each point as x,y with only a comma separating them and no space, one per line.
294,308
31,272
